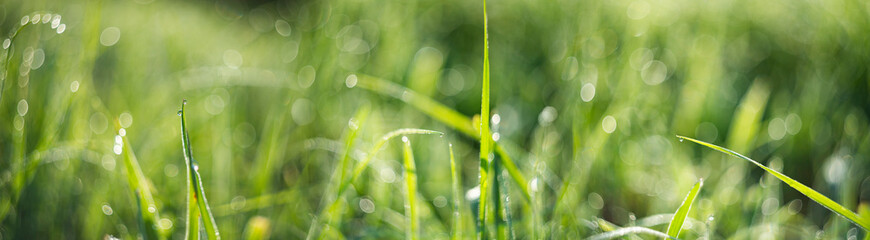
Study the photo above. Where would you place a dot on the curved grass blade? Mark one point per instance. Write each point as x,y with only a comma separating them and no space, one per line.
680,216
197,199
413,229
629,230
377,148
457,196
148,213
358,170
446,116
809,192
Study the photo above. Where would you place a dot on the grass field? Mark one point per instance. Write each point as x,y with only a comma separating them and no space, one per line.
357,119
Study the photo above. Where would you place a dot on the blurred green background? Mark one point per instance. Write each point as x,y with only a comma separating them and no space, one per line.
588,97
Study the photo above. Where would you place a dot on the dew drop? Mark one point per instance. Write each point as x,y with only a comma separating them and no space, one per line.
25,20
180,112
404,139
350,81
61,28
681,140
56,21
107,209
6,43
184,102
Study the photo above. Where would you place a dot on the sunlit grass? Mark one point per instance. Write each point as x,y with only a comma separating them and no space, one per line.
198,207
679,218
567,117
413,226
140,186
803,189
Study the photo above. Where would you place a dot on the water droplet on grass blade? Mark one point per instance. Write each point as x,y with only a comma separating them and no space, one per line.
180,112
404,139
107,209
350,81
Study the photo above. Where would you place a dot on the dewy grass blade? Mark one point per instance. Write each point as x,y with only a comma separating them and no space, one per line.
809,192
485,139
680,216
142,191
412,231
457,197
198,200
446,116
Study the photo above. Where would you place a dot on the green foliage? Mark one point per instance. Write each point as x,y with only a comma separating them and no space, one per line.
803,189
197,202
680,216
290,101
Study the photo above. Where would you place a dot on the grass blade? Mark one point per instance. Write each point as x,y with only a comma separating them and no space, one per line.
197,199
457,197
629,230
371,154
680,216
485,139
358,170
446,116
413,229
141,187
809,192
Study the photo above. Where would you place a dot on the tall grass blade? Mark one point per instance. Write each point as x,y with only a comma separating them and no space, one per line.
413,229
629,230
485,139
197,199
809,192
148,213
680,216
457,196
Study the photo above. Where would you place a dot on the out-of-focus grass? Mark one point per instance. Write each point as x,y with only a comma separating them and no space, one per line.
588,97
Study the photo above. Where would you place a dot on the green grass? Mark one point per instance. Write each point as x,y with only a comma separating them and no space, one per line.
357,172
862,222
289,103
485,139
140,186
679,218
410,176
198,207
456,183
